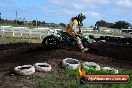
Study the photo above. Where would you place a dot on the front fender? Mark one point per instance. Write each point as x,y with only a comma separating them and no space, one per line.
89,40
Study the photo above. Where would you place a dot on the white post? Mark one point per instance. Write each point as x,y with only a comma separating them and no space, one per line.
40,37
3,32
13,33
21,34
30,32
48,32
36,22
3,29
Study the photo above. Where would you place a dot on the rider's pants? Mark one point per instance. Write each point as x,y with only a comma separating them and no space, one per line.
76,37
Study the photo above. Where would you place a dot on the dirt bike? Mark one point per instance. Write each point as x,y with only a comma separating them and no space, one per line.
62,38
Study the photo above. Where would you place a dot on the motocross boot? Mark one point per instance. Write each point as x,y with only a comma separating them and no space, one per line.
84,49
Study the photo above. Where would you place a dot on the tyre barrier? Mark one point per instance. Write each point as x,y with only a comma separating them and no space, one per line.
102,41
90,65
114,39
107,38
70,63
42,67
92,41
130,40
123,40
110,69
97,39
102,37
91,37
24,70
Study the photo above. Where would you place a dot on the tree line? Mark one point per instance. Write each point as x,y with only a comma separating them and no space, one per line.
30,23
101,23
118,24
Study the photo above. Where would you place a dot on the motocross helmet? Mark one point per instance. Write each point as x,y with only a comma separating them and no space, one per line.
73,18
81,17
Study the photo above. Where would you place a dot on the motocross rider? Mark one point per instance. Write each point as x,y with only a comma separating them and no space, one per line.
71,28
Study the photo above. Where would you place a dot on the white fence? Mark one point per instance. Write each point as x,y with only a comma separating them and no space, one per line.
26,31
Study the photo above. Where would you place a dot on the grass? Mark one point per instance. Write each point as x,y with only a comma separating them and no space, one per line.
49,81
8,38
67,78
11,40
52,81
55,81
60,79
73,84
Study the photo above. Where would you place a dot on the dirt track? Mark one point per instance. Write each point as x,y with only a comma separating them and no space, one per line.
106,55
13,55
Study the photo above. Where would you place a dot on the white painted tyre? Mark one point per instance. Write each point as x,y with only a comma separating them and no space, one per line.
91,65
24,70
42,67
106,68
70,63
110,69
102,41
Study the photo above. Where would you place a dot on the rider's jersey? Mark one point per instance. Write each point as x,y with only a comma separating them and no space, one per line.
72,26
68,28
75,22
